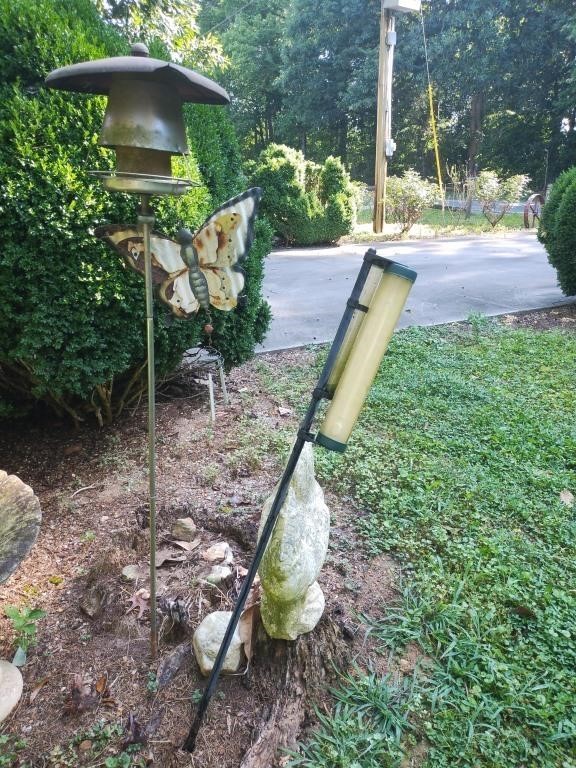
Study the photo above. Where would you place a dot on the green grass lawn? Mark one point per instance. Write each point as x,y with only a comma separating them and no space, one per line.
453,222
466,444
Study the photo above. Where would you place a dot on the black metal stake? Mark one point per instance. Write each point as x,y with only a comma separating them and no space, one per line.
304,435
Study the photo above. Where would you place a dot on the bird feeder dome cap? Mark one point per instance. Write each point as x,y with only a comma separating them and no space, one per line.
98,75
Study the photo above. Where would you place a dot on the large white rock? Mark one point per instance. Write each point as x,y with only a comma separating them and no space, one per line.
11,685
208,639
296,551
287,621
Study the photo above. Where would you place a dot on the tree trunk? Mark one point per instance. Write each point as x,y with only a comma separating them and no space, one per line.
474,142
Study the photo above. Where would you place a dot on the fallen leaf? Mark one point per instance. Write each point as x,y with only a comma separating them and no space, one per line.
85,745
167,556
249,618
101,685
140,600
566,497
187,545
246,629
37,688
219,551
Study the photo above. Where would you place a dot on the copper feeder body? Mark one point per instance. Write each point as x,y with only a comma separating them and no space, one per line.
144,121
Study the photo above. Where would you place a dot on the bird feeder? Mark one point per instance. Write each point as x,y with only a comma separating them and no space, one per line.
403,6
144,121
144,125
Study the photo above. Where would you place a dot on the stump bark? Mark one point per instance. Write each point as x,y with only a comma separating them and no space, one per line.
297,675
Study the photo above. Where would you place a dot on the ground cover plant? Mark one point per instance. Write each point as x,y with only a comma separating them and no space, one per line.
463,466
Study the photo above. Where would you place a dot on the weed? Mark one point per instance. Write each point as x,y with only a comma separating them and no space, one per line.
9,747
151,683
24,623
88,536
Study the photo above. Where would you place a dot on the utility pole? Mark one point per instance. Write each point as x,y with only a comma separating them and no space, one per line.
385,145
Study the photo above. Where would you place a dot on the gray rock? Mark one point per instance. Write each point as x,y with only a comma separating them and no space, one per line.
296,551
20,518
218,574
208,638
287,621
132,572
11,686
184,529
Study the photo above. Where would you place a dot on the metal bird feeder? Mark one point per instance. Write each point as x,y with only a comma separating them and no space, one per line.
144,125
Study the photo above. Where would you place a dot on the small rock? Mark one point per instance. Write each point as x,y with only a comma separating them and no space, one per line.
208,638
220,551
184,529
11,685
131,572
218,574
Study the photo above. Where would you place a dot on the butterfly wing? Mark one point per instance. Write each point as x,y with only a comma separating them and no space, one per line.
224,239
169,272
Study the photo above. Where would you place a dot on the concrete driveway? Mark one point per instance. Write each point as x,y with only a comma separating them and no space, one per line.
308,288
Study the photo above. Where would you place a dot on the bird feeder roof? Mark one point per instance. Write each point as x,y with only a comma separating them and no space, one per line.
98,75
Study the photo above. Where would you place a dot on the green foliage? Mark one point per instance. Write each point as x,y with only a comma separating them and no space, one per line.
365,728
305,203
407,196
9,747
564,248
72,324
304,73
24,623
498,195
556,231
459,463
103,737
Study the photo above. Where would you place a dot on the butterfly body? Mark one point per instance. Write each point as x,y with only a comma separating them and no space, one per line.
199,270
189,255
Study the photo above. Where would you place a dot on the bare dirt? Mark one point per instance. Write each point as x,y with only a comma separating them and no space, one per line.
92,660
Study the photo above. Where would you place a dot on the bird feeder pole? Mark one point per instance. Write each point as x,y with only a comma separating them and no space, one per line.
144,125
385,145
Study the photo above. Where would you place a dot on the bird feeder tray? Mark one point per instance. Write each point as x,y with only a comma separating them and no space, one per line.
142,183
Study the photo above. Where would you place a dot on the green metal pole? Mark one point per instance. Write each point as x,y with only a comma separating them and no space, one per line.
146,222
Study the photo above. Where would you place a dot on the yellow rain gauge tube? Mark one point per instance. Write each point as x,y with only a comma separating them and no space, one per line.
365,351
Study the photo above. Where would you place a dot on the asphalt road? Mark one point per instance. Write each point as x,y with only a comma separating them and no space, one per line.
308,288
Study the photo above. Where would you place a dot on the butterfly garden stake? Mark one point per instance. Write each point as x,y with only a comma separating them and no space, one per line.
144,125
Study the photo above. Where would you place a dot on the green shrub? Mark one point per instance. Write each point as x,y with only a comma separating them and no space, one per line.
72,317
406,198
306,203
563,250
547,226
498,195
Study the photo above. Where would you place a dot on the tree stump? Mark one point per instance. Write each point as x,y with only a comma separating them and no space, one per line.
296,675
20,518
